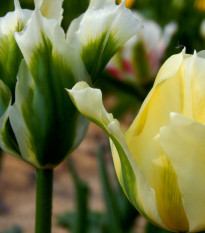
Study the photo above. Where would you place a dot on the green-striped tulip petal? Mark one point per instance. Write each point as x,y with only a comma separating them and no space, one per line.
7,139
10,55
100,31
45,122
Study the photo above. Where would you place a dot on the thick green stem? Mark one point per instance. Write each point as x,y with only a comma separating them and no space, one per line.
44,190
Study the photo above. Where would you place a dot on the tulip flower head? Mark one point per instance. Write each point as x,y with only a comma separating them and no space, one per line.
38,123
160,161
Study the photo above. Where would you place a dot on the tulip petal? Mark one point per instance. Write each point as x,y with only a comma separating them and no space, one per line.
89,102
193,87
51,9
101,31
51,127
183,142
7,140
48,36
96,4
154,114
10,55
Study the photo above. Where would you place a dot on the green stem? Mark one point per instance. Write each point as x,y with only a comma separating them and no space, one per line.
44,187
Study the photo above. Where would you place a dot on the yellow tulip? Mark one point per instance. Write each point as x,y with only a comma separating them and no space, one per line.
160,160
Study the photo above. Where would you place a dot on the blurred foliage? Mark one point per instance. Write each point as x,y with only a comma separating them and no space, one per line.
14,229
72,9
187,13
119,216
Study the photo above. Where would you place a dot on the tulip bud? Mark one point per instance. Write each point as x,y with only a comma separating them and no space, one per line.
160,159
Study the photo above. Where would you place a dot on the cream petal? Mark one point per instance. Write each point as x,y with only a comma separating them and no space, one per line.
51,9
89,102
95,4
142,141
14,21
183,142
194,85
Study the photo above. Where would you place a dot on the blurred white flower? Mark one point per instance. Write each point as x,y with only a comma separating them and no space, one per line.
140,58
202,29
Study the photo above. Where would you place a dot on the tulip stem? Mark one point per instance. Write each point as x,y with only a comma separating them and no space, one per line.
44,190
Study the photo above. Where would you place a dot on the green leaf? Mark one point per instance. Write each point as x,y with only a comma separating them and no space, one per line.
14,229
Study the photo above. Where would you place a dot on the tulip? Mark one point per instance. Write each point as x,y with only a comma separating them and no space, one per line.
34,125
160,161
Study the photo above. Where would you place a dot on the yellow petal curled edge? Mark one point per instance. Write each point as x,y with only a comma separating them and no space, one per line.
134,182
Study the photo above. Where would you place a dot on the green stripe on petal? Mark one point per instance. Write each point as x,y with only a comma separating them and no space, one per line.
53,129
10,55
89,102
100,32
7,139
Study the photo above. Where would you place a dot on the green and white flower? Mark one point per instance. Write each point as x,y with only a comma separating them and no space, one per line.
38,122
101,31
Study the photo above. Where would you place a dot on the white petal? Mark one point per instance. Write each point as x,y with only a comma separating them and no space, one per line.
95,4
51,9
100,32
14,21
44,33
